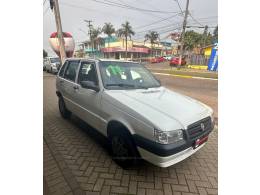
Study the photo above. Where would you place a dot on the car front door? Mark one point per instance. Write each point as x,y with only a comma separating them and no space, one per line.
88,100
69,85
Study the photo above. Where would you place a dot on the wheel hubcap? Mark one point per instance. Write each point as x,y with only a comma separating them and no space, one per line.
119,148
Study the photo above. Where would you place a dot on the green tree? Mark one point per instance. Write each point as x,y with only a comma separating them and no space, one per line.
192,39
95,32
153,36
125,31
215,34
108,29
45,53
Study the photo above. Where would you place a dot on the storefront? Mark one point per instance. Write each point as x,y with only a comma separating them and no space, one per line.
120,53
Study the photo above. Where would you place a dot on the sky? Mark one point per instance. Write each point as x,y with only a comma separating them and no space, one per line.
74,12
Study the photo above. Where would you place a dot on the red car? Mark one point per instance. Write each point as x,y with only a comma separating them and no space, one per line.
157,59
175,61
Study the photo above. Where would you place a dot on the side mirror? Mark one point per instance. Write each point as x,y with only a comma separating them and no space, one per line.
89,85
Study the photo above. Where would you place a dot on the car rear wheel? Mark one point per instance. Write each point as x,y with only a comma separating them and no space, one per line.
65,113
124,152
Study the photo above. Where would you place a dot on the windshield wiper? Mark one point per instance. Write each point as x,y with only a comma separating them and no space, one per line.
120,85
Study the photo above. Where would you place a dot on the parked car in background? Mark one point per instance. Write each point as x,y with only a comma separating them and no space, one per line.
175,61
168,58
127,104
44,64
157,59
52,64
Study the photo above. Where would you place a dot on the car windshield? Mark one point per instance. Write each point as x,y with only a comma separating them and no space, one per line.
55,60
126,75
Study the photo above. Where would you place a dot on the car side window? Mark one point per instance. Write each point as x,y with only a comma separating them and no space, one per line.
61,73
88,72
71,70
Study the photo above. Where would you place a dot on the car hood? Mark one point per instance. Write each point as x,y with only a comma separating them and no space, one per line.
165,109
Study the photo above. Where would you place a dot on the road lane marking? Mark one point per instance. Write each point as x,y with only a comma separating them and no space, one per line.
184,76
168,69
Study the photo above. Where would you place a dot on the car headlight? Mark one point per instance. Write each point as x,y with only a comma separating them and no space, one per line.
168,137
212,119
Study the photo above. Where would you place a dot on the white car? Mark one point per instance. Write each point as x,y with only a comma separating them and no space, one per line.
128,105
52,64
168,58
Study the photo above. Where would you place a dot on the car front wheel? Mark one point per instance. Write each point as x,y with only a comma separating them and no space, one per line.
123,150
65,113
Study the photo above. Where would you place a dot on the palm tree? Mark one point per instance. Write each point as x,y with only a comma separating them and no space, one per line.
153,36
126,31
108,29
95,32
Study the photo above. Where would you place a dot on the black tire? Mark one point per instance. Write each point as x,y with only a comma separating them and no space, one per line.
65,113
123,149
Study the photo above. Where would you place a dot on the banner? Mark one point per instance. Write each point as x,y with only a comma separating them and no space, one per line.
213,61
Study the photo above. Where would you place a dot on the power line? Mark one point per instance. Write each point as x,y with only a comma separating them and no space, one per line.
154,29
155,8
162,31
179,6
167,26
200,26
207,17
92,10
150,14
125,6
195,20
157,21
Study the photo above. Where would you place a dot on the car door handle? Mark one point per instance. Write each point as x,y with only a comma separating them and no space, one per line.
75,87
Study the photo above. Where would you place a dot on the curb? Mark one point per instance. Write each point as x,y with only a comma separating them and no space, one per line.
184,76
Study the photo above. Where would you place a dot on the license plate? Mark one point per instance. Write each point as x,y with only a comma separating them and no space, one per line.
200,141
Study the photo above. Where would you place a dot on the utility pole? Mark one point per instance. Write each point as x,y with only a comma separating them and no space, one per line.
90,37
55,4
183,32
205,34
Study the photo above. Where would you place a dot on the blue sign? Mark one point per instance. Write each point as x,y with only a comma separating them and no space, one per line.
213,60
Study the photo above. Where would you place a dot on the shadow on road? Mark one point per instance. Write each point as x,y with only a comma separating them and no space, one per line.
102,140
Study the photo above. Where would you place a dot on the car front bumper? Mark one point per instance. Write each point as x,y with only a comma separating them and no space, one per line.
54,70
165,155
167,161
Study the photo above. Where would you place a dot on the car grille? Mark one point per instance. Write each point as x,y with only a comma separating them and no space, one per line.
195,129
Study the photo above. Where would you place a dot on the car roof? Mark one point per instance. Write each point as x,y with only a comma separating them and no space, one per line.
100,59
52,57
